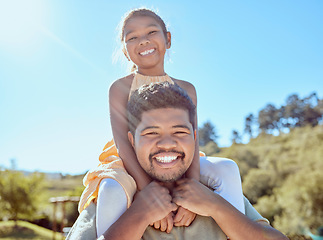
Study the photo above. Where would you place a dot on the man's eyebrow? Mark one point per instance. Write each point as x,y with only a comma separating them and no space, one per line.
181,126
149,127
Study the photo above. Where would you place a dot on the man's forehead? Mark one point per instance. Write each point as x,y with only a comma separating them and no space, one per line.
162,117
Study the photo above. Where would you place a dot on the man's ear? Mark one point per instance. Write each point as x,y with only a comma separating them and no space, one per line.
195,134
131,139
169,40
125,53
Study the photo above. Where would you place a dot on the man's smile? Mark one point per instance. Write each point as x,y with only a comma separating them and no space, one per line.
166,159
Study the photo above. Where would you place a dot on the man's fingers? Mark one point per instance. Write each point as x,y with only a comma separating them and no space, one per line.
178,200
181,181
173,207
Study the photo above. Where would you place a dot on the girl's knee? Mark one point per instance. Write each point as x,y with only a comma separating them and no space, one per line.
218,166
217,172
111,187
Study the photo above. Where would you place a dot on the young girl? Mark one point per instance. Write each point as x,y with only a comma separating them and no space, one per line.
145,41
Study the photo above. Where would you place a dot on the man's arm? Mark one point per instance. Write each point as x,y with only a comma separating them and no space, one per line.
150,205
197,198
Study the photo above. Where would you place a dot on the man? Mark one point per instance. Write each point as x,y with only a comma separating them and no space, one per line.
161,120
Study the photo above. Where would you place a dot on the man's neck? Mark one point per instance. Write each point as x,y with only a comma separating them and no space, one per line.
168,185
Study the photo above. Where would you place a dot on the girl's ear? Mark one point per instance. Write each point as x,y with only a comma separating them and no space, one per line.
125,53
169,40
131,139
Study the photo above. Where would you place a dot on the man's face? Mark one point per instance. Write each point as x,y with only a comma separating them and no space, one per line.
164,143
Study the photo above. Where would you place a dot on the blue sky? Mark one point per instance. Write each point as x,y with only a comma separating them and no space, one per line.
56,65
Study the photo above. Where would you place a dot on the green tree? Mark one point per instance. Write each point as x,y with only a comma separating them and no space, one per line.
249,121
210,148
267,118
20,195
257,183
246,160
207,133
301,199
319,108
235,138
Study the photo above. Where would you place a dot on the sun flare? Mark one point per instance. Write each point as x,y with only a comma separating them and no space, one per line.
20,22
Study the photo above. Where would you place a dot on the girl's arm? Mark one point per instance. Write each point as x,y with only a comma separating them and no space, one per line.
118,99
194,169
183,216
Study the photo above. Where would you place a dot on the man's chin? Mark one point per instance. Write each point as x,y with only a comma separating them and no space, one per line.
165,178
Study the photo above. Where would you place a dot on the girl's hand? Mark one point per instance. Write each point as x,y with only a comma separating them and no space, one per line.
166,224
184,217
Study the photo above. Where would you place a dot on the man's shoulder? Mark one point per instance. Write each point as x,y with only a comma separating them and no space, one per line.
84,227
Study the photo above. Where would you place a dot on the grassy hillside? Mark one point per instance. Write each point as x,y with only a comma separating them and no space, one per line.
64,185
282,176
25,230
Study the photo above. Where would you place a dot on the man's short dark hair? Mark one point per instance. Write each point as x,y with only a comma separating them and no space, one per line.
155,96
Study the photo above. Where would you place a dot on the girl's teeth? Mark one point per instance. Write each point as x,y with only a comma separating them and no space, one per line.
147,52
166,159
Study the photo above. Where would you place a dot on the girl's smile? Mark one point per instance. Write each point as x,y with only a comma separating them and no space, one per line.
147,52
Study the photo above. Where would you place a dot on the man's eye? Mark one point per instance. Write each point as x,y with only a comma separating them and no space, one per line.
150,133
152,32
181,133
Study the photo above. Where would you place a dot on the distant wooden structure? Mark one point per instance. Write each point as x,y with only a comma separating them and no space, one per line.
62,201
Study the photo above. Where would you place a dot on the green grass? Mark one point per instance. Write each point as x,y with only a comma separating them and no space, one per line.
25,230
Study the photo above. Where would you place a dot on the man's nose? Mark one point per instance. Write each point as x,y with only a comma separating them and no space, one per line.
167,142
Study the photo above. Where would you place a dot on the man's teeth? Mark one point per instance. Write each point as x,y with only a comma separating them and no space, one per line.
167,159
147,52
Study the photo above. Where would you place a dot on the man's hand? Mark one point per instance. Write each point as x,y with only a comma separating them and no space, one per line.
194,196
155,201
184,217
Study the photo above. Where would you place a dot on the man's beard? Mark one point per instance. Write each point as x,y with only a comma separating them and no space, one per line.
171,177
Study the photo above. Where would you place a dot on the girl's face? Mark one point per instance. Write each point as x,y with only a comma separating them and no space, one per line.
146,44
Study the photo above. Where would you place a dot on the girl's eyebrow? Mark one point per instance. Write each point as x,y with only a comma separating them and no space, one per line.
150,25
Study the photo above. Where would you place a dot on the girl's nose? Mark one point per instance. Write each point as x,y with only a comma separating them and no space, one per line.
144,40
167,142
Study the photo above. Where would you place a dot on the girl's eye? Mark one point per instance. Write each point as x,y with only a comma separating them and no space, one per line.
131,39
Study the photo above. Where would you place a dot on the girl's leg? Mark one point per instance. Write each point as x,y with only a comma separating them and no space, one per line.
222,175
111,204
